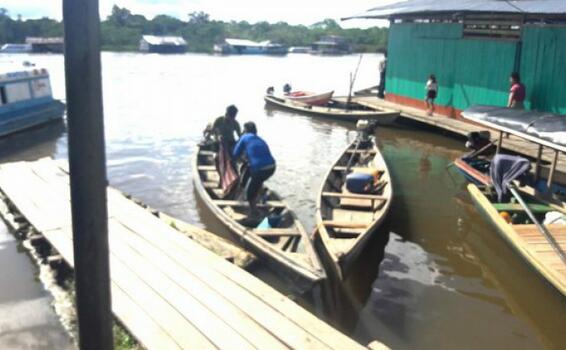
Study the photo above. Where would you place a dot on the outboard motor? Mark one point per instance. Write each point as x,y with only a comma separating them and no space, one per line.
365,130
270,90
478,139
287,89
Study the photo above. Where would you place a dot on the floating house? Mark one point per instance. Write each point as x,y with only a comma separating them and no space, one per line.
472,46
163,44
46,45
248,47
15,48
26,100
331,45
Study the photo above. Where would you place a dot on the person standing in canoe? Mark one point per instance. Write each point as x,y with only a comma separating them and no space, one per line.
261,162
226,126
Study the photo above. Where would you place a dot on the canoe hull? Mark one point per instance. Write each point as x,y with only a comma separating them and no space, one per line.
342,263
510,235
383,117
311,98
302,278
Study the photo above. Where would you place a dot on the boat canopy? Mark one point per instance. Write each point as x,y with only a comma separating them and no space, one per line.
543,128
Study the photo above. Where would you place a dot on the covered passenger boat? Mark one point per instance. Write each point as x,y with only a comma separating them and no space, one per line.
26,100
275,235
531,219
543,130
353,201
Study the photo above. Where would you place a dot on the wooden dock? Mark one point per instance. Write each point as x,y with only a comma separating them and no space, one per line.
458,127
167,290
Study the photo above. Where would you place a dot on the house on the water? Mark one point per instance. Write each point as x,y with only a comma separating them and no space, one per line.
472,47
331,45
242,47
46,45
163,44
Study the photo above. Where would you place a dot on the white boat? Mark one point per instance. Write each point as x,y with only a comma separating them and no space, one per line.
15,48
310,98
26,100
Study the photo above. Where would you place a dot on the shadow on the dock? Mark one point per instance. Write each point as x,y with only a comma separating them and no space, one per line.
32,144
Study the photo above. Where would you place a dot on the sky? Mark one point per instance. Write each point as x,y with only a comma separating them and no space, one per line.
292,11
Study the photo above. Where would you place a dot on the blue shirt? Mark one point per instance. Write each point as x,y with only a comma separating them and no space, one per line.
256,150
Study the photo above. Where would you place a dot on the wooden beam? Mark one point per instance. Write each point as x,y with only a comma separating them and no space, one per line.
207,168
345,224
538,163
228,203
87,164
552,171
499,142
353,196
277,232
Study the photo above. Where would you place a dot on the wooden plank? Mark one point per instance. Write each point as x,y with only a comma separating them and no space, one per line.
276,232
362,151
515,207
207,168
230,203
345,224
207,153
354,196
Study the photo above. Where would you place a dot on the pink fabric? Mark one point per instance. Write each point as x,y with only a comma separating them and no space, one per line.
228,175
518,91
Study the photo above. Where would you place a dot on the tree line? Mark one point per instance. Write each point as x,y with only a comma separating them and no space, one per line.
122,30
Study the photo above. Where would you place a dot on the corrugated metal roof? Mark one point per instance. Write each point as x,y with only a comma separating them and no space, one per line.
164,40
450,6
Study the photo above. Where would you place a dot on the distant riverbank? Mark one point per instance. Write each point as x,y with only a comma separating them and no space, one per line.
122,31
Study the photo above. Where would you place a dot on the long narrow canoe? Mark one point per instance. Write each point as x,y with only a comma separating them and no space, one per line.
346,221
382,117
310,98
287,248
524,236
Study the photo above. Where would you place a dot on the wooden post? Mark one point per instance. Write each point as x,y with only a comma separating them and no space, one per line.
87,166
500,142
537,166
552,170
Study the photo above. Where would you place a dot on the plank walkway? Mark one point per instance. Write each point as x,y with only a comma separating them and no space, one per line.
168,291
459,127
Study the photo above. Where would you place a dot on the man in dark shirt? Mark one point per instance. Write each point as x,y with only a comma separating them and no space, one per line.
261,162
225,126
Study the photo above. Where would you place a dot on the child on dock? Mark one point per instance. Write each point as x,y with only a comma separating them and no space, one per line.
431,93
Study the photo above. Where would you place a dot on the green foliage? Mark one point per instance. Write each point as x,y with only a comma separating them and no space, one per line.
122,30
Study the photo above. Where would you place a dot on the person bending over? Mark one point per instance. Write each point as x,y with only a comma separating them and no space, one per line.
225,126
261,162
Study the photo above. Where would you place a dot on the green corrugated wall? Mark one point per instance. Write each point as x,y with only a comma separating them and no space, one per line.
543,68
474,71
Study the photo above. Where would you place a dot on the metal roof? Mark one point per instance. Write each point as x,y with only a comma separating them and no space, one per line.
412,7
52,40
164,40
249,43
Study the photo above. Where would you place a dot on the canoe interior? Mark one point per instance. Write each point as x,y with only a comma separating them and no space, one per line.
288,242
347,219
513,223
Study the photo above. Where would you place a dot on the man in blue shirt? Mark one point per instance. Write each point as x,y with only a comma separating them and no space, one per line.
261,162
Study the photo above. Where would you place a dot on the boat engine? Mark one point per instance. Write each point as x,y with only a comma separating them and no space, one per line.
270,90
478,139
365,129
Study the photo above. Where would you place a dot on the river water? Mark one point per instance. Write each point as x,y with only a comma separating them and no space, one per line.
445,279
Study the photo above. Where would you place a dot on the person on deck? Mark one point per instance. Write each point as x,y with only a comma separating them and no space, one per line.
225,126
382,74
431,89
517,93
261,162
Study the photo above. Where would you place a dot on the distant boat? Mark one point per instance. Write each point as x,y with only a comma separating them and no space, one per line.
336,110
331,45
26,100
299,49
163,44
16,48
310,98
248,47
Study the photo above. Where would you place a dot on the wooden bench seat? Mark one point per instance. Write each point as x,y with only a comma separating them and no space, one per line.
229,203
207,168
516,207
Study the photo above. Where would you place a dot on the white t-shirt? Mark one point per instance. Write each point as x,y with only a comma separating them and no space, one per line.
431,86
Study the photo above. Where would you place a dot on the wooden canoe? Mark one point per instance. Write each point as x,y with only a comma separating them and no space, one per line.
310,98
346,221
287,249
382,117
525,238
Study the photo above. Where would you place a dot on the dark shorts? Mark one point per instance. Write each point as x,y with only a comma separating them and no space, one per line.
431,94
257,178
